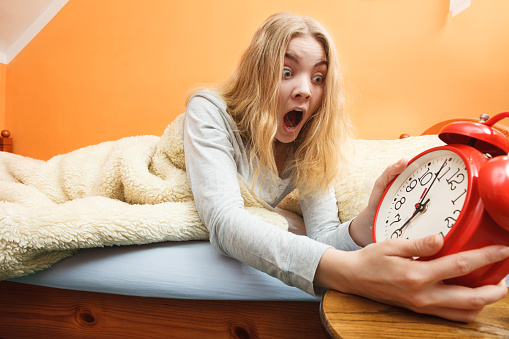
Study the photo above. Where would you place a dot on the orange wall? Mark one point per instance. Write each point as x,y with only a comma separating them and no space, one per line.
102,70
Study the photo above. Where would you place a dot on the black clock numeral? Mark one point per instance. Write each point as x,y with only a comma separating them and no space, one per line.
455,179
443,175
397,218
399,203
411,185
451,220
462,193
426,177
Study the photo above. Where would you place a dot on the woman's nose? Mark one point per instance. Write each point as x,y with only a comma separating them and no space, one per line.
302,88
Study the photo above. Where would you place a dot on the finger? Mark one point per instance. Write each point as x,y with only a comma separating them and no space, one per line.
401,164
392,171
460,303
411,248
467,298
384,179
459,264
396,168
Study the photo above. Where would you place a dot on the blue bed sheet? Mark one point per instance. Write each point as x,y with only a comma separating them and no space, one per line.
184,270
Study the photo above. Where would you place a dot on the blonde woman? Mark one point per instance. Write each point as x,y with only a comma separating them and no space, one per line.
279,123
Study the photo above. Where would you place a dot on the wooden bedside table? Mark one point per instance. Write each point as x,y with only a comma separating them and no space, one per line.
350,316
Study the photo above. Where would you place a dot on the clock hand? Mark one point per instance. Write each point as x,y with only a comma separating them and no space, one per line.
434,179
419,207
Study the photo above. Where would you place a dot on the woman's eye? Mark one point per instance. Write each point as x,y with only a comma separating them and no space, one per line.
287,73
318,78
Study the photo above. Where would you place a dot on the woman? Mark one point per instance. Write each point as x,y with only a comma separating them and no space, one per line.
278,122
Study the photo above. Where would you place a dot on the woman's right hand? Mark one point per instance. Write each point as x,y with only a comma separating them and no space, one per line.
386,272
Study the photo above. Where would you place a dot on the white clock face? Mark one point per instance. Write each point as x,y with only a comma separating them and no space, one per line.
425,199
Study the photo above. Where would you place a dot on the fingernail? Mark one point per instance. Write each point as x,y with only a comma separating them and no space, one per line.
432,240
504,252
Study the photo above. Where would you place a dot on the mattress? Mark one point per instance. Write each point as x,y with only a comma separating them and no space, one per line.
184,270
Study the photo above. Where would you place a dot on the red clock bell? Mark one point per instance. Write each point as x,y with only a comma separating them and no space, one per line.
459,190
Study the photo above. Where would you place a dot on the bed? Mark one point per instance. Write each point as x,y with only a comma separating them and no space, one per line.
182,288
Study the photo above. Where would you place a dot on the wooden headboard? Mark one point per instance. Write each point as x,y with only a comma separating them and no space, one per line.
6,141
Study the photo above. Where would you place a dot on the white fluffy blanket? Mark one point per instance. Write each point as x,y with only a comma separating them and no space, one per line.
130,191
135,191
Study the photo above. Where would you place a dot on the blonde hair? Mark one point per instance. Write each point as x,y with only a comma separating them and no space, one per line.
252,92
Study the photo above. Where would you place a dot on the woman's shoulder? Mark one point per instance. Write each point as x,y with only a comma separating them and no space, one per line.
207,107
207,98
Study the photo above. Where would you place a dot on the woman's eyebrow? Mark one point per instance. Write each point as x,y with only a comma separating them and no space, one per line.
292,57
322,62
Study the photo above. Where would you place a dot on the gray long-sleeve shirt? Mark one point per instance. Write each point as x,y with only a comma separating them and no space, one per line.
215,153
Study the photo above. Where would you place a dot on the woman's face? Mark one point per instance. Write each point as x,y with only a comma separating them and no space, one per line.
302,86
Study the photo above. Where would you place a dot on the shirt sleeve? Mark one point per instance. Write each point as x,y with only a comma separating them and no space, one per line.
320,212
211,163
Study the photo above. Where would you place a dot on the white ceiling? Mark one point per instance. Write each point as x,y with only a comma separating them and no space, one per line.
21,20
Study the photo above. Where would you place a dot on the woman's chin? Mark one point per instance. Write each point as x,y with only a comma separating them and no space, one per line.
288,136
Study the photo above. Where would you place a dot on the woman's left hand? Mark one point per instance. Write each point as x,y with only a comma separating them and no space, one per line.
360,228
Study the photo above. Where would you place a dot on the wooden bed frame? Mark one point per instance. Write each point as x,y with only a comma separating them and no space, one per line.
30,311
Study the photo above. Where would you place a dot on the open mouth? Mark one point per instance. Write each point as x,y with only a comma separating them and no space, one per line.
292,118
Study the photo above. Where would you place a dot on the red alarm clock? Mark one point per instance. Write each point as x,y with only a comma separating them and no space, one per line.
459,190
